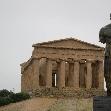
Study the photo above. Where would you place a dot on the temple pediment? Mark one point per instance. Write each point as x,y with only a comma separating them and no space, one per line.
68,43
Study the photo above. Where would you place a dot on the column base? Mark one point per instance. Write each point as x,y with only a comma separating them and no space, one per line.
69,92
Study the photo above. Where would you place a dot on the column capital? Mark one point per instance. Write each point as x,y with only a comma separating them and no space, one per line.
72,60
57,60
60,60
35,57
90,60
100,60
82,61
76,60
48,59
69,59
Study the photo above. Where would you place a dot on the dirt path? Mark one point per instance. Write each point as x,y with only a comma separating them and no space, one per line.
35,104
73,104
51,104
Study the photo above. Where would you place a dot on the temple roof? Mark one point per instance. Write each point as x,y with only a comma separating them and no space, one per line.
68,43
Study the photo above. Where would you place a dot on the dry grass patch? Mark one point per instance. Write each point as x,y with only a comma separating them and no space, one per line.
51,104
35,104
73,104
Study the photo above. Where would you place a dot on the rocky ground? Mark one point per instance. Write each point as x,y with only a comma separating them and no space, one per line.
51,104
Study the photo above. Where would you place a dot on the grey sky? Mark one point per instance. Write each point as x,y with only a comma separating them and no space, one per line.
24,22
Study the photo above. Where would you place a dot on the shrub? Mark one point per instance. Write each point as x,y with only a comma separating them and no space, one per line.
4,93
5,101
7,97
19,97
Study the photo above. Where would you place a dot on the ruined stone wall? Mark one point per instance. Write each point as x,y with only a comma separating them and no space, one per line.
27,79
27,76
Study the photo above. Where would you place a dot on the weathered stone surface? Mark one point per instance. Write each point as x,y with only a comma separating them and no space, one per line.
89,75
63,63
35,74
49,74
68,43
76,75
61,75
82,73
69,92
101,75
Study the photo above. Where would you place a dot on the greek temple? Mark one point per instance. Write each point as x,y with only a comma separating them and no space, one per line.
65,63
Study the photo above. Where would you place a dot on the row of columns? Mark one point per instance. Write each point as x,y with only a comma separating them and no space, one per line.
61,74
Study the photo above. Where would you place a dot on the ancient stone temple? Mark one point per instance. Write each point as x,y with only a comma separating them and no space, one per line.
64,65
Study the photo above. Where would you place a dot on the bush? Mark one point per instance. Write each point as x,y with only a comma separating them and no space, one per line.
7,97
4,93
5,101
19,97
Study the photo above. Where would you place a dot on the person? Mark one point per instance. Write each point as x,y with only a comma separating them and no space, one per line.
105,37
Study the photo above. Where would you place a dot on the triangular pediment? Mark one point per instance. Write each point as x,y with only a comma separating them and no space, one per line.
69,43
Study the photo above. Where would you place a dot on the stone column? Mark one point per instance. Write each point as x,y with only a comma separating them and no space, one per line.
61,75
101,75
76,75
89,75
35,74
49,73
71,70
67,74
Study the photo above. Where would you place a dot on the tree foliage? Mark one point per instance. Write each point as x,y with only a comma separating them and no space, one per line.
7,97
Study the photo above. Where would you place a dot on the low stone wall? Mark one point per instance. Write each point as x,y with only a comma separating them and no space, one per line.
68,92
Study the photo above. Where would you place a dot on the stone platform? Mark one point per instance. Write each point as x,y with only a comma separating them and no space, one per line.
68,92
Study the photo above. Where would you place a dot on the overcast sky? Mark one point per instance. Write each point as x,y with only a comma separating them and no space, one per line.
24,22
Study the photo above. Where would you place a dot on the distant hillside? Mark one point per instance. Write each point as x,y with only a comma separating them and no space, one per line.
50,104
